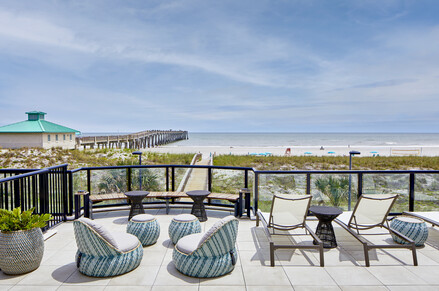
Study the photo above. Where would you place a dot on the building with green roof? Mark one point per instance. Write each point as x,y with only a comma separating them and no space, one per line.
37,132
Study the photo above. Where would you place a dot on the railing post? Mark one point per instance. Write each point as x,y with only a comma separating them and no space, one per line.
173,178
360,185
88,181
70,192
308,183
129,187
209,179
256,199
412,192
246,179
64,192
167,179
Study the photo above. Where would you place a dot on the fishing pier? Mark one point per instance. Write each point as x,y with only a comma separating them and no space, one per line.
143,139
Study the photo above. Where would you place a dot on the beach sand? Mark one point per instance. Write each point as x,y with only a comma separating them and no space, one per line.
366,151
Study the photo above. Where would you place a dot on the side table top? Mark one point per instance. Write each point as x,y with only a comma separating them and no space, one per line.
325,210
136,193
198,193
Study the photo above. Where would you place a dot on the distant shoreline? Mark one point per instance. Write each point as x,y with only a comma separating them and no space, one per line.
368,151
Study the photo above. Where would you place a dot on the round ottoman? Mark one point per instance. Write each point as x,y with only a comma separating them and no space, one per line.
182,225
145,227
413,228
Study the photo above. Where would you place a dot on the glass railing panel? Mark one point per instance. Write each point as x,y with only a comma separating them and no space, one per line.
109,181
270,184
333,190
389,183
148,179
426,192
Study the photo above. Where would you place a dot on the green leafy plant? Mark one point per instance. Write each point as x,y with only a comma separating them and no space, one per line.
17,220
336,189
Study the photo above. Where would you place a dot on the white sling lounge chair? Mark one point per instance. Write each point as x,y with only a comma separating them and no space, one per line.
431,217
369,212
288,212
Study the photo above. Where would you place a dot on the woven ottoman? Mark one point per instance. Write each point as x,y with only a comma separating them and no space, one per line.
145,227
413,228
182,225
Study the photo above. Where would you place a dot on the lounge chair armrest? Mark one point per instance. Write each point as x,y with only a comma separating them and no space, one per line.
397,233
314,236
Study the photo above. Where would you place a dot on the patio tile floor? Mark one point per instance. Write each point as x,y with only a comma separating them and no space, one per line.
295,269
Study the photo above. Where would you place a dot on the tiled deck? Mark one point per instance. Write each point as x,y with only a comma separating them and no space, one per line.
295,270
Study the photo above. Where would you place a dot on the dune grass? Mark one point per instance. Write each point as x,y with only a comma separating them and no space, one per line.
36,158
328,163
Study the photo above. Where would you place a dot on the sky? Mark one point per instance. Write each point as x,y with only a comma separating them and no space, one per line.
222,66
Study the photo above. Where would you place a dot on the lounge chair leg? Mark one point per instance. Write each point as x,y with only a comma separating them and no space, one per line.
366,255
322,259
272,254
415,257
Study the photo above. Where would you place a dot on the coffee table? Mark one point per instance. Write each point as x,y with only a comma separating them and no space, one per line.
325,231
136,198
198,209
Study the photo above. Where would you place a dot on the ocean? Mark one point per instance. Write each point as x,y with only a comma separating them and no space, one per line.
310,139
303,139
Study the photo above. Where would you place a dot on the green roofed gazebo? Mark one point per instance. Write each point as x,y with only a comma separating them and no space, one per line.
37,132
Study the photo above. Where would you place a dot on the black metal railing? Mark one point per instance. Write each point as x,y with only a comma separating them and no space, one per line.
52,190
46,190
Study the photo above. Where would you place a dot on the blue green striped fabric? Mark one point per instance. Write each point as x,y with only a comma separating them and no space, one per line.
147,232
418,232
178,229
215,257
97,258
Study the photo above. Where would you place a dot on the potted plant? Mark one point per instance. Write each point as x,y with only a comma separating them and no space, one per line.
21,240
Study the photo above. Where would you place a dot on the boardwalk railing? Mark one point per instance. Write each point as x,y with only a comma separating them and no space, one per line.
52,189
143,139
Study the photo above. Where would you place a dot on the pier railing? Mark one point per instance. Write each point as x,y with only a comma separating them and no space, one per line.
143,139
52,190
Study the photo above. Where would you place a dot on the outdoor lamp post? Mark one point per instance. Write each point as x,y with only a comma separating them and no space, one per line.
139,153
351,153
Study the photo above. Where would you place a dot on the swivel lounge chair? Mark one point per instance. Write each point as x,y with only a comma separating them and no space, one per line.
371,211
209,254
102,253
288,212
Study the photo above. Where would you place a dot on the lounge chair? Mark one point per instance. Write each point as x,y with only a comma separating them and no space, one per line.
288,212
209,254
102,253
431,217
371,211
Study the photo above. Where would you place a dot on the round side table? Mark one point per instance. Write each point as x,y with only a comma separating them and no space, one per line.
198,209
136,198
325,231
413,228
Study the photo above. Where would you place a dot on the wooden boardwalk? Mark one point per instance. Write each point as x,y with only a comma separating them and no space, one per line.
143,139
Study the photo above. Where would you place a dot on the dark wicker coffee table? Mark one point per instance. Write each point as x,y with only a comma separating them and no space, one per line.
136,198
198,208
325,231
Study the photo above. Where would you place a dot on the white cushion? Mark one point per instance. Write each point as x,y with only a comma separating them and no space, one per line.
189,243
142,218
184,217
215,228
101,230
125,242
